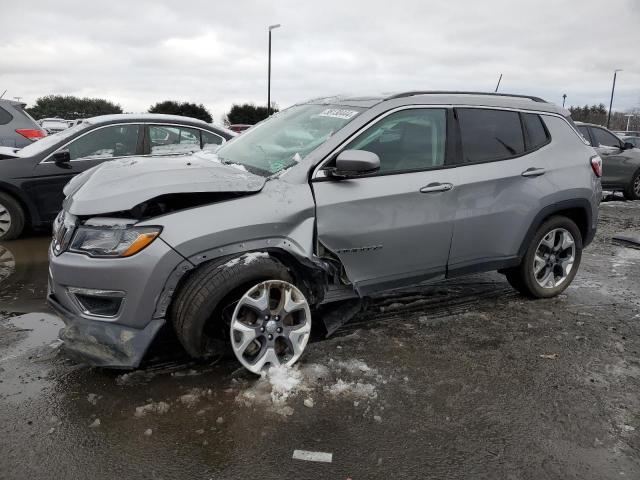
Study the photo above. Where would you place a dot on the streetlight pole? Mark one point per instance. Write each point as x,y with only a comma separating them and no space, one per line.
271,27
613,89
564,98
629,117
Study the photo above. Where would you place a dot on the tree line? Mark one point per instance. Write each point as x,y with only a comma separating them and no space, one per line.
598,114
73,108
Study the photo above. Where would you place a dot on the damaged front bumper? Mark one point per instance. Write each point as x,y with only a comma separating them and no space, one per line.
104,344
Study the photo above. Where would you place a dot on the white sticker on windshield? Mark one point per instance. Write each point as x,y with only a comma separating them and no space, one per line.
338,113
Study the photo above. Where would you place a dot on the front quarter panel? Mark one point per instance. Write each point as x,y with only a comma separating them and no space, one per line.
280,216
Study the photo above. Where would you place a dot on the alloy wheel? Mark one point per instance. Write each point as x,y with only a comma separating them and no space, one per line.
5,220
270,325
554,258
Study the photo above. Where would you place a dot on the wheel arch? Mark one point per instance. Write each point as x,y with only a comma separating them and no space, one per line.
30,212
578,210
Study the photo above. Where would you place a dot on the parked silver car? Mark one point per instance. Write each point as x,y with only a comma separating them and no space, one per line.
17,128
333,199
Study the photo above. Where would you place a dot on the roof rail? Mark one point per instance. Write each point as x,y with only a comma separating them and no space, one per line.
447,92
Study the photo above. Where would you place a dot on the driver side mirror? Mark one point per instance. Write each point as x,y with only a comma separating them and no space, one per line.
353,163
61,156
628,146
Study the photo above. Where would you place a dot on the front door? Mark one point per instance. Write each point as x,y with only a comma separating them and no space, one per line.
392,228
86,151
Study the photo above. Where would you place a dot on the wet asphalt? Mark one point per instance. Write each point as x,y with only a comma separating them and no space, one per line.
465,379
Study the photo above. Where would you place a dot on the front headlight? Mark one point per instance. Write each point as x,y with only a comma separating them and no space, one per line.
112,241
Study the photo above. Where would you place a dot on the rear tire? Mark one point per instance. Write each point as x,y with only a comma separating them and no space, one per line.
12,218
197,310
632,192
542,264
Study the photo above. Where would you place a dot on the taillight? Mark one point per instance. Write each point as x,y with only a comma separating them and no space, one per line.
596,165
31,134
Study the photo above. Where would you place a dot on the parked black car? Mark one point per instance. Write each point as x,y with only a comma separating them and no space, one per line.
620,160
32,178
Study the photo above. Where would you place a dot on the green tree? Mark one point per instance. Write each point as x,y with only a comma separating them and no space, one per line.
247,113
71,108
184,109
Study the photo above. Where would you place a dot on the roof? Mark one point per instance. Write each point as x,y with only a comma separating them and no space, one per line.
142,117
438,97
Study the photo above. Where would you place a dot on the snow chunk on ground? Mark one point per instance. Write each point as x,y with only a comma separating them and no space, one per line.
280,383
153,407
352,389
353,366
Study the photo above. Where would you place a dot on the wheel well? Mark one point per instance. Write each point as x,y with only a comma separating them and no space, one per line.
578,216
313,280
25,208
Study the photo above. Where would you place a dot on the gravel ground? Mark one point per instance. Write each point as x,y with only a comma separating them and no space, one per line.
465,379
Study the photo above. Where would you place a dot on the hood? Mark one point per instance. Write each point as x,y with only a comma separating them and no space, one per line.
8,152
120,185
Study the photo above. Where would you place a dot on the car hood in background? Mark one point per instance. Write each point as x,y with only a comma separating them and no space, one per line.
120,185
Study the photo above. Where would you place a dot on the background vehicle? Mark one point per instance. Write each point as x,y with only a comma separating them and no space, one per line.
239,127
334,199
54,125
17,128
627,133
635,141
32,179
620,160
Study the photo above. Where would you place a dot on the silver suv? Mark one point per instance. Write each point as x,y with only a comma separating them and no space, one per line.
332,199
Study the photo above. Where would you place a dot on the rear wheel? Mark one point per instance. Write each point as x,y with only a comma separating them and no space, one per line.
551,260
632,192
249,303
11,218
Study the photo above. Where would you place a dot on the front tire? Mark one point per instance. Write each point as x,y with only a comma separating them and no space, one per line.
632,192
12,218
234,303
551,260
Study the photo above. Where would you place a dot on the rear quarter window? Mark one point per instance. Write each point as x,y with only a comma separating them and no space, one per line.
5,117
537,134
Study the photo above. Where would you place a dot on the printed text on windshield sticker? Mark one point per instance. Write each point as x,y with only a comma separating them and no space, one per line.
338,113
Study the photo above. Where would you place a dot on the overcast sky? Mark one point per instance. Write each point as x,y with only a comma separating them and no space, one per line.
136,53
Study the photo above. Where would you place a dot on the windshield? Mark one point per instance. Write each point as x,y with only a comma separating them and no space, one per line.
286,138
51,140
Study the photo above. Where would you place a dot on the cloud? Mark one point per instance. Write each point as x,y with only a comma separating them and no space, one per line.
138,53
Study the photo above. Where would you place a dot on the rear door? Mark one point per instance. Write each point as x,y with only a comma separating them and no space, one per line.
500,177
171,140
392,228
615,171
86,151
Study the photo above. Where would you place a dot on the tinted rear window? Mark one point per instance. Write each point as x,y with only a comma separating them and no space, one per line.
5,117
536,133
489,134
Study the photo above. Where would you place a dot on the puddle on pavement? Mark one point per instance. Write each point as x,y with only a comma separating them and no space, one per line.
41,330
23,275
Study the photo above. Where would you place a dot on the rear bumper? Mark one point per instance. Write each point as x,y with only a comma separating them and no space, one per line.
104,344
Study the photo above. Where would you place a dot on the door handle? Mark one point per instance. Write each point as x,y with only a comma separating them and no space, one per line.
533,172
436,187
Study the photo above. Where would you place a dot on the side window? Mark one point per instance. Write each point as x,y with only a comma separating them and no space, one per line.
211,140
107,142
406,140
584,130
489,134
536,132
604,138
5,117
169,139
